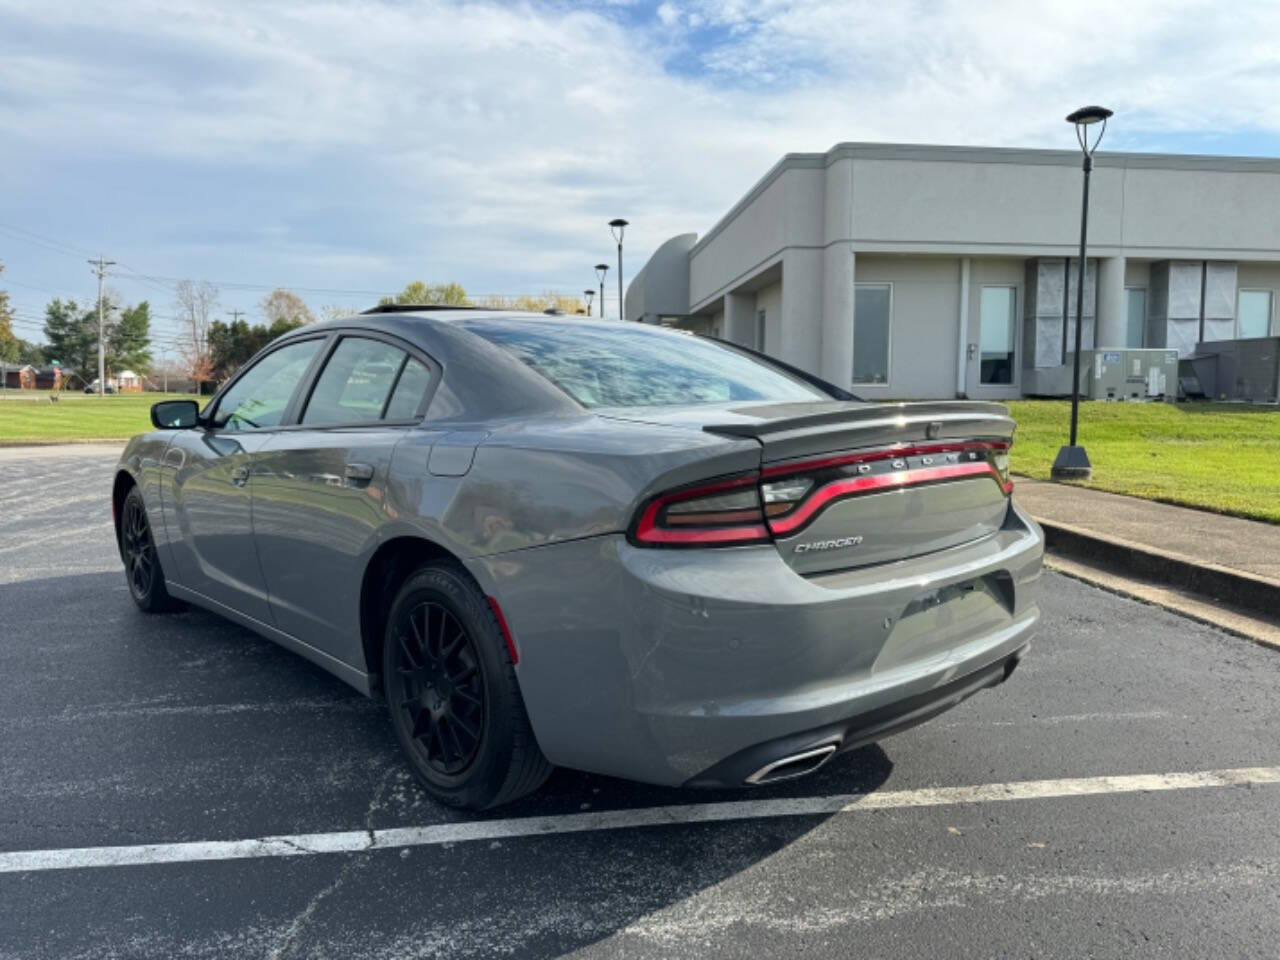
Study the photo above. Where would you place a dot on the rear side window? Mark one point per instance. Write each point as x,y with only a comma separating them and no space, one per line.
409,392
261,395
355,383
634,365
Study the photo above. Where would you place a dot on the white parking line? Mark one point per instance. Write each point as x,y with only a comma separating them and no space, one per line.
355,841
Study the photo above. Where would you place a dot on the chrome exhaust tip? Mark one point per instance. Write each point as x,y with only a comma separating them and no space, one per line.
795,765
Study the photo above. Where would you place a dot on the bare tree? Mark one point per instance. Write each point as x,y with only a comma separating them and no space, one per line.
195,302
286,308
337,311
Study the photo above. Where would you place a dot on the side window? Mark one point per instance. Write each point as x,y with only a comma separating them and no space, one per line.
355,383
260,397
409,391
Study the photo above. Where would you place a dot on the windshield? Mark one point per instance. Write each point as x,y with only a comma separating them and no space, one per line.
631,365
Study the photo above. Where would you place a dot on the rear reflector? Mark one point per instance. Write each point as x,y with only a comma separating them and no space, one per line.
506,631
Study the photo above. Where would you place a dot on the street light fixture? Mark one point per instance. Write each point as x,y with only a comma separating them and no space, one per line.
1072,463
601,270
588,294
617,227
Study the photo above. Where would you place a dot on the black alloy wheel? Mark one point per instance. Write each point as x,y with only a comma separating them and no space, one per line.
451,689
141,562
439,687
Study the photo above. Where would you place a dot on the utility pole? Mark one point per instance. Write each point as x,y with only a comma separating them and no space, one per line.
235,315
102,362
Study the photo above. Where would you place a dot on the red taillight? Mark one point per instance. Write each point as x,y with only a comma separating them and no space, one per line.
794,493
720,513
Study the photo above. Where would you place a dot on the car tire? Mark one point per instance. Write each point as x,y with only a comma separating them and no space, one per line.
142,567
452,693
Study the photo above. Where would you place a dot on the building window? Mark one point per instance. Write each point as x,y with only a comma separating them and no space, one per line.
872,309
999,321
1253,314
760,318
1135,316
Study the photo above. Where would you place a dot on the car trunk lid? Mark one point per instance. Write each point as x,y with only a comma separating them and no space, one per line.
848,484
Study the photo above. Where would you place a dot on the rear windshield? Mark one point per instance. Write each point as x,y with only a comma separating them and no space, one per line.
632,365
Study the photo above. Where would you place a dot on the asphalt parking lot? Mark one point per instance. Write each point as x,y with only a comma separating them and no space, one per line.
1080,810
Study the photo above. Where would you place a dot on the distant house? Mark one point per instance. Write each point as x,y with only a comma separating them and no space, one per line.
47,378
19,377
128,382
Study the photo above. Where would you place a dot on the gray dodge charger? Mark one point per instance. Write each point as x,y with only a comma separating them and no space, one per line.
614,547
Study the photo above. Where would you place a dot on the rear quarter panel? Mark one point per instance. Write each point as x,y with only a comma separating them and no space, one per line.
538,483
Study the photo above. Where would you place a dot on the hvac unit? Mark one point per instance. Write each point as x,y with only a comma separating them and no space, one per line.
1120,374
1247,370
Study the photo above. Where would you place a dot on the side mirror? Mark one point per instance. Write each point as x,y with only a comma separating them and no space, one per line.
175,414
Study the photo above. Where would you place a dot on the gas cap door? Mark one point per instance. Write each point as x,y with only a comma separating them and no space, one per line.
452,454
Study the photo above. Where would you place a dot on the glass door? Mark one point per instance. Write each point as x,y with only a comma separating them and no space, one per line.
998,318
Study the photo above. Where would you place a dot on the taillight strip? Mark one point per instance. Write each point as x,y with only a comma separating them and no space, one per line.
878,482
885,453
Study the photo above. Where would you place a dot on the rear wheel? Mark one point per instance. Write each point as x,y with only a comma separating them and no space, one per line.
141,562
452,693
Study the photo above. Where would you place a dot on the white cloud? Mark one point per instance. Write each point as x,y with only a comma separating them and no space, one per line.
490,143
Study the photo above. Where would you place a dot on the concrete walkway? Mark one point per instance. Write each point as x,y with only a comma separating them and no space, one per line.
1248,546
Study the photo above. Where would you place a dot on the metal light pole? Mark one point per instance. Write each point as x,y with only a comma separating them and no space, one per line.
601,270
589,294
1072,463
617,227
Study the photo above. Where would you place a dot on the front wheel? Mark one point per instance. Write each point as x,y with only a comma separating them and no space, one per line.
451,689
141,562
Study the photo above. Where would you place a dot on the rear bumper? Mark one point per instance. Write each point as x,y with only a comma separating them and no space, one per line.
685,666
800,753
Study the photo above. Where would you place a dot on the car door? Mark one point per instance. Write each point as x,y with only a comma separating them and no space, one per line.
209,491
320,485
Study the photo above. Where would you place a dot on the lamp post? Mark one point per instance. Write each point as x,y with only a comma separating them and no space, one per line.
601,270
616,227
1072,463
588,294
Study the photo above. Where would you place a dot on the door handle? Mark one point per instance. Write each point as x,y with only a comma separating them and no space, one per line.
239,475
359,471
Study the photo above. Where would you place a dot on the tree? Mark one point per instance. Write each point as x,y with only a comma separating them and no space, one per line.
195,302
535,304
230,345
430,294
333,311
71,333
129,340
285,305
10,345
32,353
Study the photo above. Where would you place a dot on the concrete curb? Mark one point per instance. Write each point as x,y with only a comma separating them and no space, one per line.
1234,587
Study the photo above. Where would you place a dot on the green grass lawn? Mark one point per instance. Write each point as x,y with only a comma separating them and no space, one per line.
1220,457
28,416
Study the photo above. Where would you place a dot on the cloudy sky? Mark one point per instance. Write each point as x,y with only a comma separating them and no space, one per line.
345,148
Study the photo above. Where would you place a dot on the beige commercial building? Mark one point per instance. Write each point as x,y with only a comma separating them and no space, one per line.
929,272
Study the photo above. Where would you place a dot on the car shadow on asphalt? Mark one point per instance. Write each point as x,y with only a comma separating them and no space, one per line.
190,727
178,670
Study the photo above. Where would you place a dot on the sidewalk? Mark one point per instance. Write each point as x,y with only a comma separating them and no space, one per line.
1249,546
1187,556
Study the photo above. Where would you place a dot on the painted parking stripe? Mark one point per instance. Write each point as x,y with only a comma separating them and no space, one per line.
355,841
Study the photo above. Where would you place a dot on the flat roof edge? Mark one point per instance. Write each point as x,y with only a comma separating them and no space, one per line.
941,153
